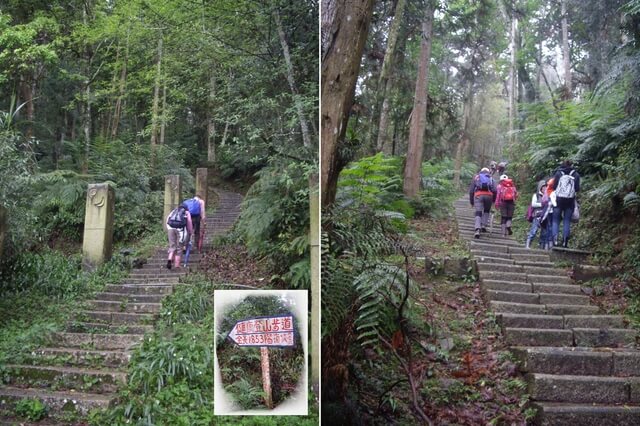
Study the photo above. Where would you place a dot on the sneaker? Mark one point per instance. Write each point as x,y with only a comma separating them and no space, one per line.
483,230
168,264
509,231
477,234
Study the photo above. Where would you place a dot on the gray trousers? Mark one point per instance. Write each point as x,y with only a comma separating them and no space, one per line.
482,203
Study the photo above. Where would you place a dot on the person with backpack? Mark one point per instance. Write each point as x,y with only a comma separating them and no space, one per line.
534,215
566,183
507,194
482,193
195,206
179,230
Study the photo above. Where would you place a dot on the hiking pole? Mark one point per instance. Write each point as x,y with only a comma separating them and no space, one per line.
186,256
203,227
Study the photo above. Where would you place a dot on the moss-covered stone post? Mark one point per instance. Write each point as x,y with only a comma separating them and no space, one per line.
3,227
97,244
202,184
172,194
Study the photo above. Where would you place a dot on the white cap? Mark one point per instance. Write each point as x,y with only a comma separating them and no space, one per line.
503,177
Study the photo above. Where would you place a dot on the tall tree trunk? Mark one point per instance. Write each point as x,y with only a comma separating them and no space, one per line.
86,126
412,170
117,110
211,124
163,113
156,95
513,85
566,54
306,137
464,134
345,26
385,80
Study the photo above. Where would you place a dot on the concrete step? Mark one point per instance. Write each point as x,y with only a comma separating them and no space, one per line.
542,270
508,320
565,414
80,357
531,257
173,279
538,337
604,337
495,267
96,341
527,252
506,286
100,328
64,378
558,288
127,297
534,263
555,309
495,254
516,308
519,277
578,361
486,247
125,306
116,318
56,401
563,299
594,321
512,296
549,279
481,258
158,288
584,389
165,273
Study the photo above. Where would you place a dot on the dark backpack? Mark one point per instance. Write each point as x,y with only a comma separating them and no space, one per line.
178,218
483,182
194,206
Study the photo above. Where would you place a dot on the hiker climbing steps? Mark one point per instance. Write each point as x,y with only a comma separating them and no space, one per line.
83,366
582,367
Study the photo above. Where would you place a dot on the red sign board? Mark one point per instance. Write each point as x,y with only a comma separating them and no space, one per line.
264,331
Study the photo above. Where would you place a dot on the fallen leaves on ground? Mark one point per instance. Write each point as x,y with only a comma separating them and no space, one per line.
232,263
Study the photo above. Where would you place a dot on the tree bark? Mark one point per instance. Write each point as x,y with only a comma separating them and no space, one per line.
513,85
163,113
385,80
117,110
345,26
412,170
306,137
566,54
211,124
464,134
156,96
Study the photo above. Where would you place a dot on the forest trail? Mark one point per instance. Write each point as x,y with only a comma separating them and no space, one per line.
582,367
82,367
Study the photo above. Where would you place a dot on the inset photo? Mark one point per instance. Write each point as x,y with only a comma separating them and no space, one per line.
261,352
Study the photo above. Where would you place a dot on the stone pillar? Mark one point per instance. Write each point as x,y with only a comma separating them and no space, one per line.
202,184
3,227
97,244
172,194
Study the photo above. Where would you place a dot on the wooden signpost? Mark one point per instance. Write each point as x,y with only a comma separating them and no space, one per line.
274,331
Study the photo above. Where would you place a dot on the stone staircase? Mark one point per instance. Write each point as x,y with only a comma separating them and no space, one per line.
84,365
582,367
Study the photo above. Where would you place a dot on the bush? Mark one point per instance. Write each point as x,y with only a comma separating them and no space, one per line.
274,222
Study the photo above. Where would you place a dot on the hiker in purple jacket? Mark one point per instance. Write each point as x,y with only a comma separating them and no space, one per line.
482,193
566,183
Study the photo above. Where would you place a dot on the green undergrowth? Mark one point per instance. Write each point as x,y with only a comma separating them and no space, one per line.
170,376
40,292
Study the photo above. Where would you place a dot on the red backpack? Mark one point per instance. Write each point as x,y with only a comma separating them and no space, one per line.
508,190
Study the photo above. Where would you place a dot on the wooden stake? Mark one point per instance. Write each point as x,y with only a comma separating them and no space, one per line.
266,376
